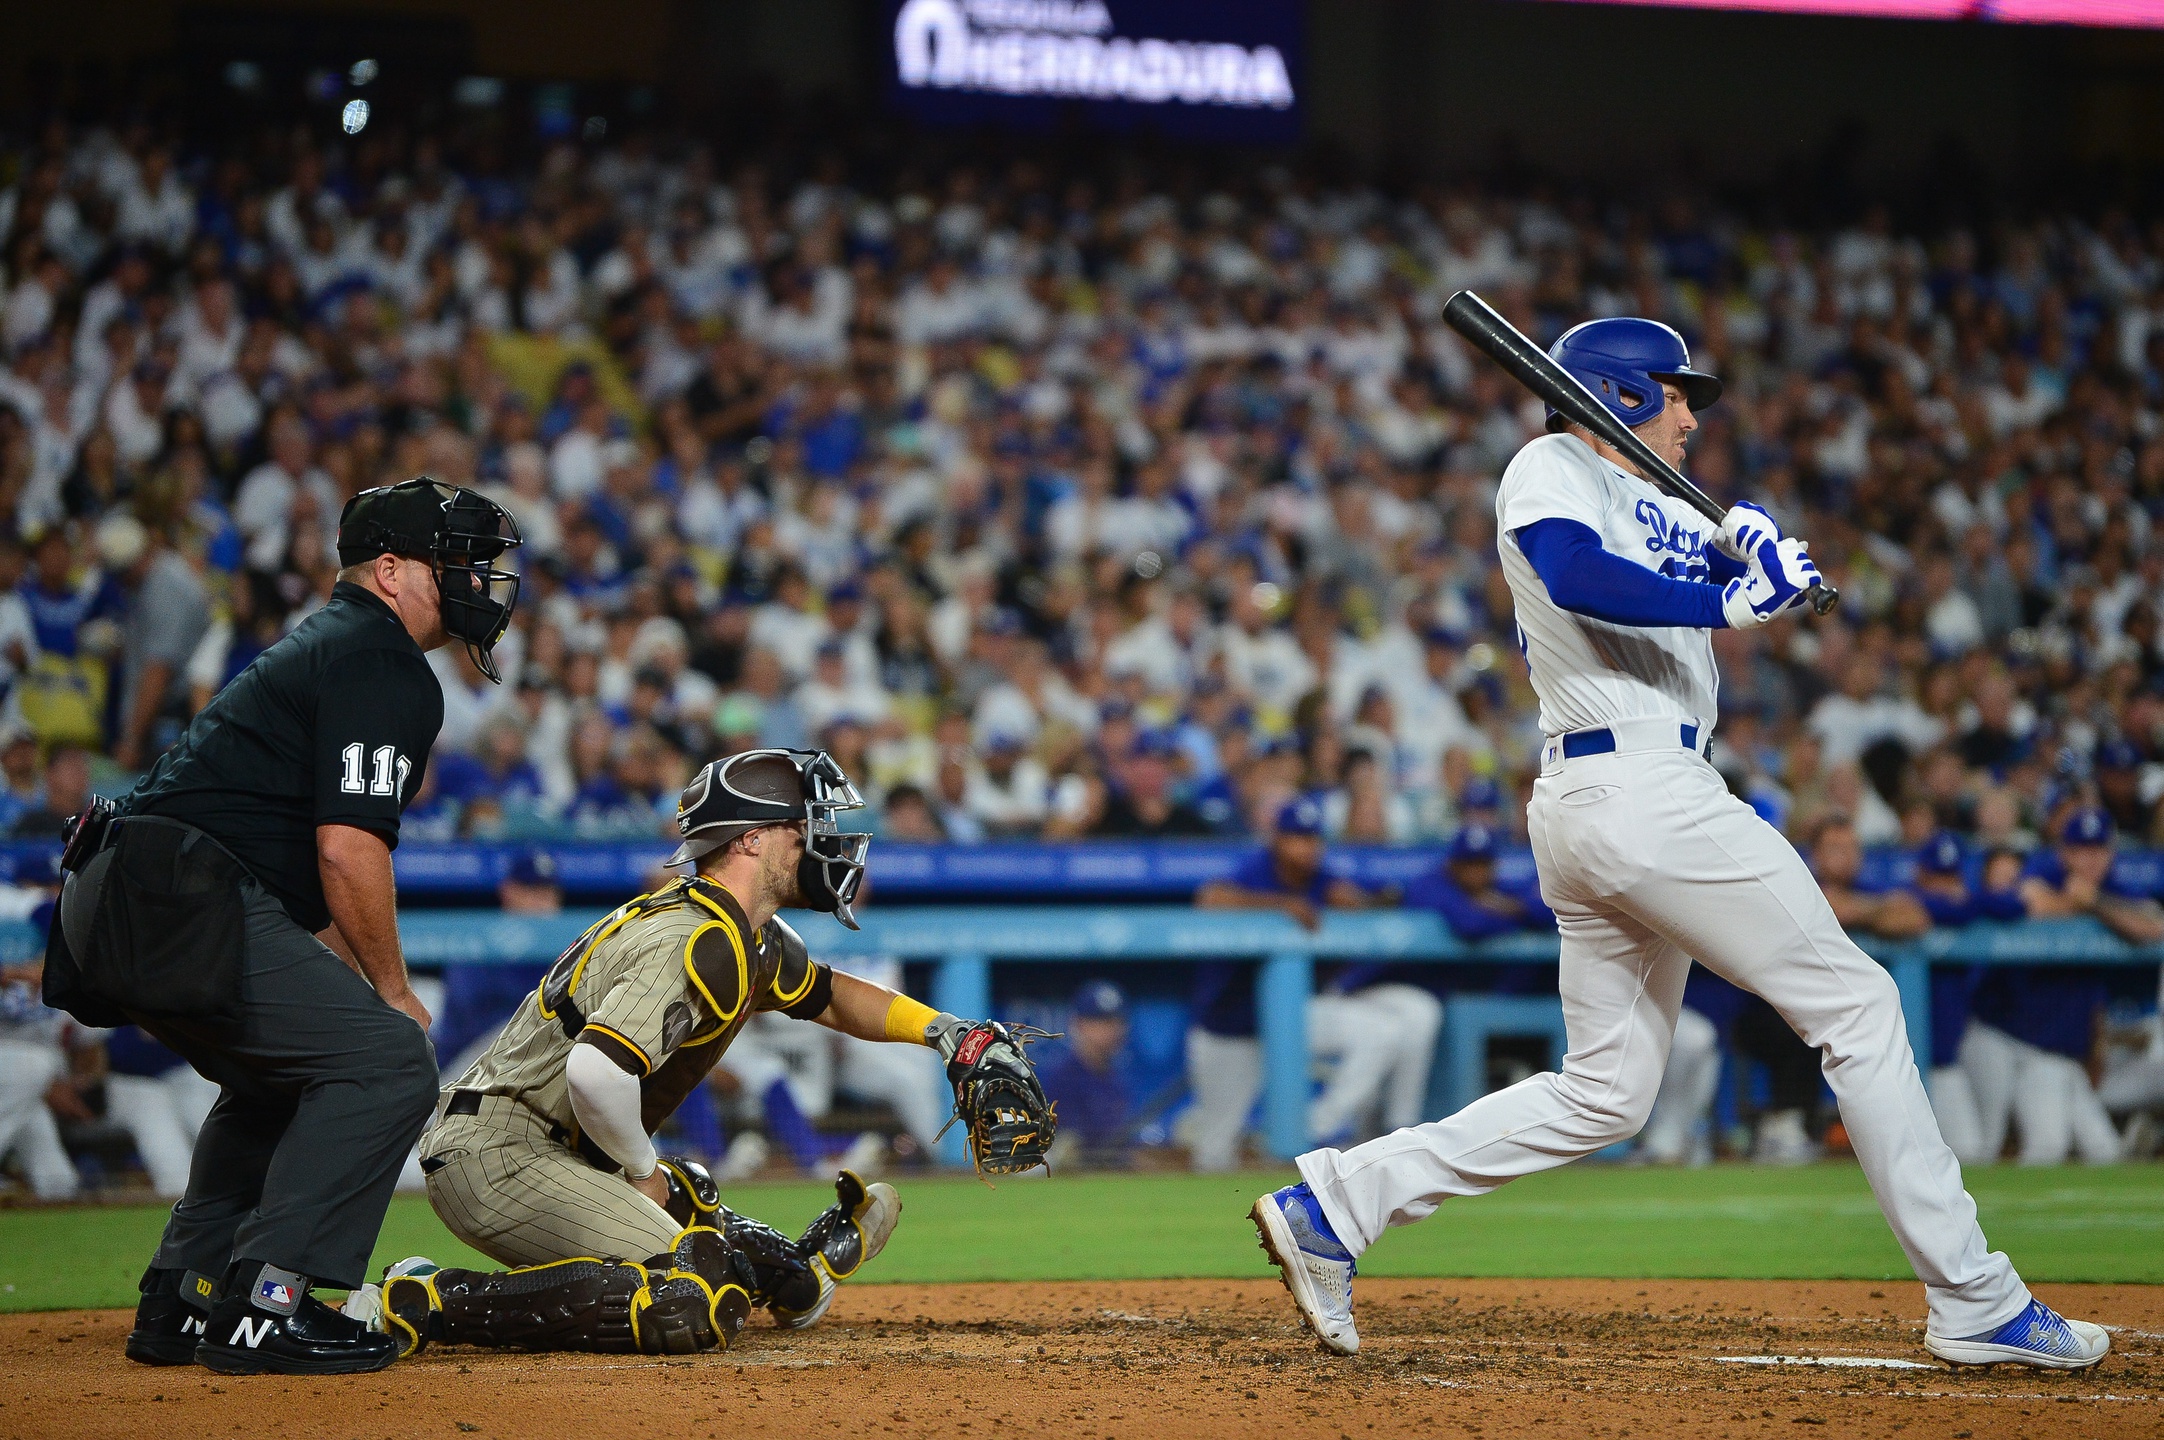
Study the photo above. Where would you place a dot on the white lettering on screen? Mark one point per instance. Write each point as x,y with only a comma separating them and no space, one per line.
1060,49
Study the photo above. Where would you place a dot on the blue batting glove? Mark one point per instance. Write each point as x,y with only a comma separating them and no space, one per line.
1744,529
1781,574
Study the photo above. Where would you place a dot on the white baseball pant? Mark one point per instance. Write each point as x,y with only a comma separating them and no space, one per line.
162,1114
1224,1075
1684,1102
2046,1096
27,1127
1649,861
1382,1039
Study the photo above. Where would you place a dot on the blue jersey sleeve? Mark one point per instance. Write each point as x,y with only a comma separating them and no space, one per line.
1467,918
1255,872
1586,580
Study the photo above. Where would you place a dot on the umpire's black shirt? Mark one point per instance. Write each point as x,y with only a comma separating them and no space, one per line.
330,726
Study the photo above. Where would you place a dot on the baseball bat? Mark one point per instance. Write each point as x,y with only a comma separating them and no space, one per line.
1530,366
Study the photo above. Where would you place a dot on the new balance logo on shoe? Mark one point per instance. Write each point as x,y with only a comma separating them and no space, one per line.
251,1333
193,1326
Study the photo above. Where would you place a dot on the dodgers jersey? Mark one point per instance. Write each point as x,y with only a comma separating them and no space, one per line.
1589,673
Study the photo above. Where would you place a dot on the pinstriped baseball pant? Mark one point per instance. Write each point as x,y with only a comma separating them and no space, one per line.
499,1183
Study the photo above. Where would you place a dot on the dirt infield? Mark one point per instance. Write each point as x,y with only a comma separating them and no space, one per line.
1159,1359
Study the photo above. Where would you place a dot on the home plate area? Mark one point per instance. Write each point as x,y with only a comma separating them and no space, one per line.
1490,1358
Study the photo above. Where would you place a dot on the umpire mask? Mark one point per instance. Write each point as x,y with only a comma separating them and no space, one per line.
461,533
743,792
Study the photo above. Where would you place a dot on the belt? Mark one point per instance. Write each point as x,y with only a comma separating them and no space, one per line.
468,1102
1628,736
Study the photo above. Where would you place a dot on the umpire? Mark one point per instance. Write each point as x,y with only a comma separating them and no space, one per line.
238,905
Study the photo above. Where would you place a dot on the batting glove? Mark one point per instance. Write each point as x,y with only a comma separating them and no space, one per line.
1781,574
1743,530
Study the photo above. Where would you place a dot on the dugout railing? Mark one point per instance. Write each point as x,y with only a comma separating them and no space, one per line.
962,943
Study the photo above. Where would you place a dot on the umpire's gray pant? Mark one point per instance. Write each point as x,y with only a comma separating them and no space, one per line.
323,1089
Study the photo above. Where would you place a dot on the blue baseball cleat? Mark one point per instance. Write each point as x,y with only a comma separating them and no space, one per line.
2038,1336
1315,1266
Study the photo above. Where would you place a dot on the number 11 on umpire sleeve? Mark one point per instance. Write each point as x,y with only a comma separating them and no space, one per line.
390,771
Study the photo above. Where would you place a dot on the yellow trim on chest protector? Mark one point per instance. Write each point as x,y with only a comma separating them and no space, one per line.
725,1016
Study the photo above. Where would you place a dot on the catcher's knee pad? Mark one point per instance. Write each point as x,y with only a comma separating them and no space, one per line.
693,1196
693,1298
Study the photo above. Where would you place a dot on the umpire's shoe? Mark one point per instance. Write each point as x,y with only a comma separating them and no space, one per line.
846,1234
169,1318
268,1324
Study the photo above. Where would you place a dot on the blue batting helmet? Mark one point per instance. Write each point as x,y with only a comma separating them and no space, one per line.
1623,362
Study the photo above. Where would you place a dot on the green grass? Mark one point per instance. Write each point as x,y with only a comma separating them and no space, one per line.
1585,1220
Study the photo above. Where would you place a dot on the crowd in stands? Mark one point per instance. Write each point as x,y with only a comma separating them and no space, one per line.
1126,498
1057,502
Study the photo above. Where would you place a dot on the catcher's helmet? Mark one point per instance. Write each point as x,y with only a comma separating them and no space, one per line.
1623,362
458,531
738,793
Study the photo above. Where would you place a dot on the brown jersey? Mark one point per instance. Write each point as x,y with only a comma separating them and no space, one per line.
660,985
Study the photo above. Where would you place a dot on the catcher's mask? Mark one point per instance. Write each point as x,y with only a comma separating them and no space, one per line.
740,793
460,533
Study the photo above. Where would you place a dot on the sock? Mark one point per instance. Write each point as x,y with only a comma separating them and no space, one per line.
1316,1215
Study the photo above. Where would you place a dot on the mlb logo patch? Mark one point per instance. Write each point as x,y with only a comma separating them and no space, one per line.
275,1293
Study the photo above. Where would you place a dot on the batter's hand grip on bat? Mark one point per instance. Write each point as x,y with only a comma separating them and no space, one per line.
1532,367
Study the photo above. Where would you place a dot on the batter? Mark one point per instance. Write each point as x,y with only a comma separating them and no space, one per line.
1649,862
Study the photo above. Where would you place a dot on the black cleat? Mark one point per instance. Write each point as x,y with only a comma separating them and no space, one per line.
169,1318
303,1336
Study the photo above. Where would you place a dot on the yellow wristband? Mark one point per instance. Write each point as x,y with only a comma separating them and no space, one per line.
906,1019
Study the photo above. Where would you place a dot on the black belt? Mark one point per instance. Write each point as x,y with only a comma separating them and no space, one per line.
468,1102
1602,741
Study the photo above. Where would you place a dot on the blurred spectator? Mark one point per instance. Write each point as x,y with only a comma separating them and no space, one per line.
1086,1083
1142,804
67,794
167,616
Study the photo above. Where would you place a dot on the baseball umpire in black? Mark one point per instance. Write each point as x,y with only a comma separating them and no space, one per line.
238,904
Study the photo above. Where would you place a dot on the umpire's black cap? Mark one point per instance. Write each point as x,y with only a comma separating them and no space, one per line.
425,518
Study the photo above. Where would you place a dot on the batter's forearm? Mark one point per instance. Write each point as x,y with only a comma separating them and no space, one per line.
1586,579
362,896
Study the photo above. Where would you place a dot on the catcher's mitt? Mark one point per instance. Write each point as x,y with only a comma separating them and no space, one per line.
997,1096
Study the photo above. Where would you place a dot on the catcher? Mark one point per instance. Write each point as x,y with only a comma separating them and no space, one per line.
541,1154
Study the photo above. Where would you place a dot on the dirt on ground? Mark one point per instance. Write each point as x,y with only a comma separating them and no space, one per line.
1159,1359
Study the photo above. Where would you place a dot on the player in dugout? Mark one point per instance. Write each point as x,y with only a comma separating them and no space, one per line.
1224,1058
542,1153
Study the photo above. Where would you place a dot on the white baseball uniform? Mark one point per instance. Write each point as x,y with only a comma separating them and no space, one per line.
1649,862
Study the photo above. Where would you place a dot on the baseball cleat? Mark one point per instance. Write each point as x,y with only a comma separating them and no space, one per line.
1315,1267
301,1336
852,1230
169,1318
2038,1336
406,1305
